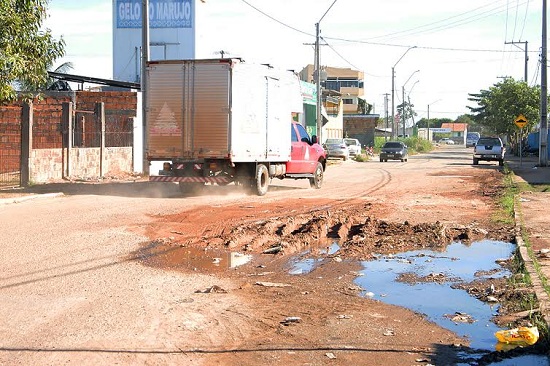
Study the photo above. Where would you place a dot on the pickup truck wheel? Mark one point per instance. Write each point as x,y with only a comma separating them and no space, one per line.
501,162
261,183
476,161
317,180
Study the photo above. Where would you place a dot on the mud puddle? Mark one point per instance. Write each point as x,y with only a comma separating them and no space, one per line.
426,281
209,260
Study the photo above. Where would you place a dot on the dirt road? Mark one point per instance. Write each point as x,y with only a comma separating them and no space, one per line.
123,273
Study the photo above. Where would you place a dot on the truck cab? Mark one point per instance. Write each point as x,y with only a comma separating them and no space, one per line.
305,151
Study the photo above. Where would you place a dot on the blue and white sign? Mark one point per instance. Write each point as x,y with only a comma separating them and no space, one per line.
162,13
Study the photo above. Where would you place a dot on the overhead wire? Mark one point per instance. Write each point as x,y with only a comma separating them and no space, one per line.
436,22
370,42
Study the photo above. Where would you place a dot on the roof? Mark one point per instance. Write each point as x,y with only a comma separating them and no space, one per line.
455,127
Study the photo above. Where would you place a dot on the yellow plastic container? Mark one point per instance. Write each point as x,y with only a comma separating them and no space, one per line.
521,336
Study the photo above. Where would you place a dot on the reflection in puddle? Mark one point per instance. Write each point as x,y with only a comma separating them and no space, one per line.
202,259
458,263
304,263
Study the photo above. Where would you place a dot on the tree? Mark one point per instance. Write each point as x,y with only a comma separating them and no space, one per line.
499,106
364,107
434,122
26,51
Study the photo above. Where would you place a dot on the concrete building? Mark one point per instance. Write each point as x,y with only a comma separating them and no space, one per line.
342,88
349,83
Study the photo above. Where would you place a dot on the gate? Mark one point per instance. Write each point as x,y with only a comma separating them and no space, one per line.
10,146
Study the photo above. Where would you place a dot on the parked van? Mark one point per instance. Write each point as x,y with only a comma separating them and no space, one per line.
471,139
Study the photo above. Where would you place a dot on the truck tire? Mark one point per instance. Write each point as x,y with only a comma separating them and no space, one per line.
317,180
261,183
501,162
476,161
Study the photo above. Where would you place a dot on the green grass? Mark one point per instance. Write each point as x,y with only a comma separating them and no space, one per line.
509,203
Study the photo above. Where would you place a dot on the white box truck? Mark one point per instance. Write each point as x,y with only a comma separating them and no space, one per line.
218,121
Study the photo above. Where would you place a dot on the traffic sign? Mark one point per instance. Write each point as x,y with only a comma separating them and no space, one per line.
521,121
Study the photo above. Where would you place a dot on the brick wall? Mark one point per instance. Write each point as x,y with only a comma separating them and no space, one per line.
48,158
361,128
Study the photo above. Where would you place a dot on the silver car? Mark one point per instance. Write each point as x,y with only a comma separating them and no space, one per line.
337,148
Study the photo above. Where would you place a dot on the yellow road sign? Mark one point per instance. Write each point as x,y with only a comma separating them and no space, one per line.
521,121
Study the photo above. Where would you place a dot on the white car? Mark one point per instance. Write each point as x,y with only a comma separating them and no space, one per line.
354,146
446,141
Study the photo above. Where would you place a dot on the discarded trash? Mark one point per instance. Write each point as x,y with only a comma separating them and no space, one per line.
212,289
291,320
330,355
389,332
344,316
273,250
520,336
459,317
272,284
492,299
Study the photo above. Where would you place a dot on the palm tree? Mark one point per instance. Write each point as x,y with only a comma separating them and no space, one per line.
61,85
51,83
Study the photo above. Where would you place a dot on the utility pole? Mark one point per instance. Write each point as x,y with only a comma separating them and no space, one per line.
428,122
526,56
317,74
386,111
543,139
393,90
143,78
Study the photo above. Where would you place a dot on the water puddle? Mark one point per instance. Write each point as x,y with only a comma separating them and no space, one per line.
307,261
191,258
451,308
423,281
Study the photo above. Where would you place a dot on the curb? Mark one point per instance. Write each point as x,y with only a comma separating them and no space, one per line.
7,201
536,281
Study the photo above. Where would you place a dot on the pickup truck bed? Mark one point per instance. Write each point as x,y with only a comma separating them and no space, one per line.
489,149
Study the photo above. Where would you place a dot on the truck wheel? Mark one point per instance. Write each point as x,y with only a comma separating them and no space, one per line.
501,162
476,161
262,180
317,180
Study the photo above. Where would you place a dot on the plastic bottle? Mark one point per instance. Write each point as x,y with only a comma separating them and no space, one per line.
522,335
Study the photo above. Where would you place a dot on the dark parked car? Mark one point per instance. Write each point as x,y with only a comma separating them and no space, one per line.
394,150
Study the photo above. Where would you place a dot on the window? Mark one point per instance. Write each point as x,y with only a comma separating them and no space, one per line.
302,131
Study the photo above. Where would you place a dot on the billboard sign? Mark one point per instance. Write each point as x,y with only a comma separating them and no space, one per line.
162,13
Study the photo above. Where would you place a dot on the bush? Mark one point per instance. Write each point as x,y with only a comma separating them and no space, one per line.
415,144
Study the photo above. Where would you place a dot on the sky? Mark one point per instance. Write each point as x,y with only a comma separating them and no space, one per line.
440,50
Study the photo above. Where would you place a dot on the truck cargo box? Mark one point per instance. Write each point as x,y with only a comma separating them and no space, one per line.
220,108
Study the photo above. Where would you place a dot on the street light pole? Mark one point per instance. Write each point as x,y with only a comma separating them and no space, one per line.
317,75
393,90
429,118
403,91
